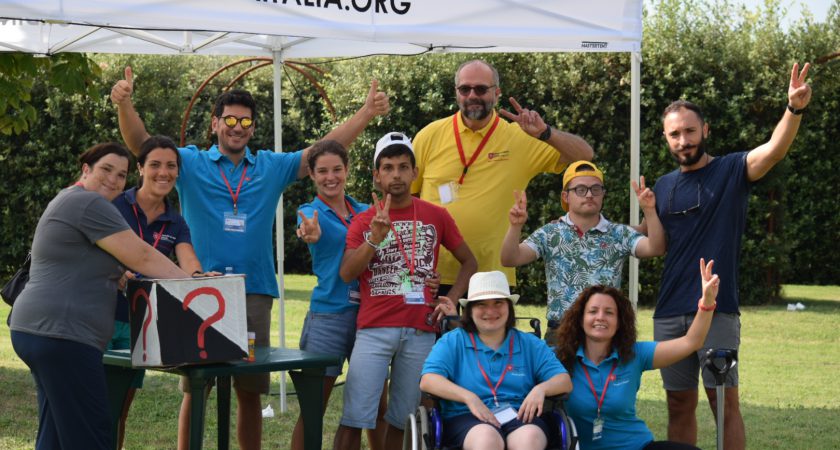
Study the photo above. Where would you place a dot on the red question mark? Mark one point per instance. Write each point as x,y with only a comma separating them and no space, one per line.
142,292
210,320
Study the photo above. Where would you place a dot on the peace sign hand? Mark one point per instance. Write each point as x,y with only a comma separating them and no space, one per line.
711,283
530,121
519,211
381,223
646,197
799,92
121,92
309,230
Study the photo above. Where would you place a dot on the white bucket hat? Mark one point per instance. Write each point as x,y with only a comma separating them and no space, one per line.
488,285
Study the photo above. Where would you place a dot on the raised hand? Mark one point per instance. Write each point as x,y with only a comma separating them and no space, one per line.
530,121
646,197
309,230
799,92
519,211
381,223
710,281
376,103
121,92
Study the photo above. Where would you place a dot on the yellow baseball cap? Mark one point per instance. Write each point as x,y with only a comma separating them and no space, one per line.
572,172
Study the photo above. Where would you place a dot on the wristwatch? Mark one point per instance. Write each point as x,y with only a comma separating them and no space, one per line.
546,135
794,111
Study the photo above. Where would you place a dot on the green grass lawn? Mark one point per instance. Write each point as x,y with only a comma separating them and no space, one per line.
789,364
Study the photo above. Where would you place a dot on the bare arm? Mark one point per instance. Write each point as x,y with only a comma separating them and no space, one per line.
654,244
131,126
139,256
468,267
513,253
532,406
570,146
669,352
440,386
761,159
376,104
187,259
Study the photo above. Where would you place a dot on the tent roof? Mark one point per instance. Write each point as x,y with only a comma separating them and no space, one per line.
325,28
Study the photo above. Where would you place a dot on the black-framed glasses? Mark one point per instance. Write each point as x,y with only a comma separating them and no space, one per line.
687,211
479,90
597,190
231,121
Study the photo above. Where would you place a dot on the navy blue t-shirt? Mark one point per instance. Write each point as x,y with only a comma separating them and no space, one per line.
170,223
704,215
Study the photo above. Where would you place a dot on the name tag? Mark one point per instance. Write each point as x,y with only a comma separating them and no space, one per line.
235,223
448,192
504,414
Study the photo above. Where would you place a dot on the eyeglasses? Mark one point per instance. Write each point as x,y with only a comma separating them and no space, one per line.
231,121
597,190
479,89
686,211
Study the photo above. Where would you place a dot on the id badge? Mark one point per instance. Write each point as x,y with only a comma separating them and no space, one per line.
448,192
504,413
597,428
355,297
235,223
413,293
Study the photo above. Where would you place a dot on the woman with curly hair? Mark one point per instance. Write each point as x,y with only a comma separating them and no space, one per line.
596,342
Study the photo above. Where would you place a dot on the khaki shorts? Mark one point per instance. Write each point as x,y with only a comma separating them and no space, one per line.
258,310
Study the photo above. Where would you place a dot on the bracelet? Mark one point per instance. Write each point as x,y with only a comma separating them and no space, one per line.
197,272
372,245
545,135
794,111
702,307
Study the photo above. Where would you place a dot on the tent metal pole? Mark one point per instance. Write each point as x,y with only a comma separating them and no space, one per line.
278,220
635,136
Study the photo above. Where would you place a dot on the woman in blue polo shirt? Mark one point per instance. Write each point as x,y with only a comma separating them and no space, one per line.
596,342
148,213
491,377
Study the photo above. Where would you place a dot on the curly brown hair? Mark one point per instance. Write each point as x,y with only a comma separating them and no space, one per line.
570,335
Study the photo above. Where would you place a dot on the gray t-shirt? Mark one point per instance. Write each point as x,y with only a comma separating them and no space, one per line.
72,282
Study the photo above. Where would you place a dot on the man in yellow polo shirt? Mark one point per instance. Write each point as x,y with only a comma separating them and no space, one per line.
472,161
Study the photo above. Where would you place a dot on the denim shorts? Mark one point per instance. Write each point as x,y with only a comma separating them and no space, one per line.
404,350
330,333
725,332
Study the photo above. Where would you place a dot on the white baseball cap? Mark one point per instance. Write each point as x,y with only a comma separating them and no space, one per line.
392,138
487,286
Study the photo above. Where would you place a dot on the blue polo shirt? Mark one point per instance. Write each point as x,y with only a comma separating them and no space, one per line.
205,200
454,357
623,429
173,225
331,295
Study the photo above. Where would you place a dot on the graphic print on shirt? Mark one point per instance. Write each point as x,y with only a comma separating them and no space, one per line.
389,264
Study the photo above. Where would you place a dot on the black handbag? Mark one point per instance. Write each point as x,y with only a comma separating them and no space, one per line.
15,285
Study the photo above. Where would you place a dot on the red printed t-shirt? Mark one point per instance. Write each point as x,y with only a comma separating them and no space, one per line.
382,303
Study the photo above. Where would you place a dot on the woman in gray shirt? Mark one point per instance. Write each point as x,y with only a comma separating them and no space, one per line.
64,317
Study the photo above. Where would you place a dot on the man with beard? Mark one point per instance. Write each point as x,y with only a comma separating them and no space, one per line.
703,206
229,195
472,162
583,248
392,248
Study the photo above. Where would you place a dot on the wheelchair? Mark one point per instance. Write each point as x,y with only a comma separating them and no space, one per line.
424,428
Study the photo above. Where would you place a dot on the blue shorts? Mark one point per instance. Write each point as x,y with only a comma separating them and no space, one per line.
404,350
121,340
330,333
455,429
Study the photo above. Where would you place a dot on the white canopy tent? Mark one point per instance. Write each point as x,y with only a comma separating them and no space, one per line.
331,28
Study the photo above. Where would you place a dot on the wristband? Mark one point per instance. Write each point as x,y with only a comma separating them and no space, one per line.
374,246
546,135
794,111
706,308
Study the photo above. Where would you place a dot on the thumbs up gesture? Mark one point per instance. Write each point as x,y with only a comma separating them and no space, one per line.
121,92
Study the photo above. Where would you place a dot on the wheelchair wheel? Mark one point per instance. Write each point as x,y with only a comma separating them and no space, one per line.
417,435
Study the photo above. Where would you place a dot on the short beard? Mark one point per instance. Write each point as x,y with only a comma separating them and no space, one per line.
476,114
694,159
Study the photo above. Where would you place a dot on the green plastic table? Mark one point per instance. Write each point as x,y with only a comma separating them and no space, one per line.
306,370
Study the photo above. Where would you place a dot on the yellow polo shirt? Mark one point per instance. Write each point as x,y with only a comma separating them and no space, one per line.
508,162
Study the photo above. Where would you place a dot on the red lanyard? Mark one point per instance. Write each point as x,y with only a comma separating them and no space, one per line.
606,384
408,262
140,228
349,208
508,366
477,150
235,197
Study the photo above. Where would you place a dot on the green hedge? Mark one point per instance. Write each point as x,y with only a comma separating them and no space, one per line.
733,63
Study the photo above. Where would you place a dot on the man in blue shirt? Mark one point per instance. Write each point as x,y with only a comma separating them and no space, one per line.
229,194
703,206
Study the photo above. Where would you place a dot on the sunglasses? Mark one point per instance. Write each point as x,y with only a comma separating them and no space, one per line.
687,211
231,121
479,90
